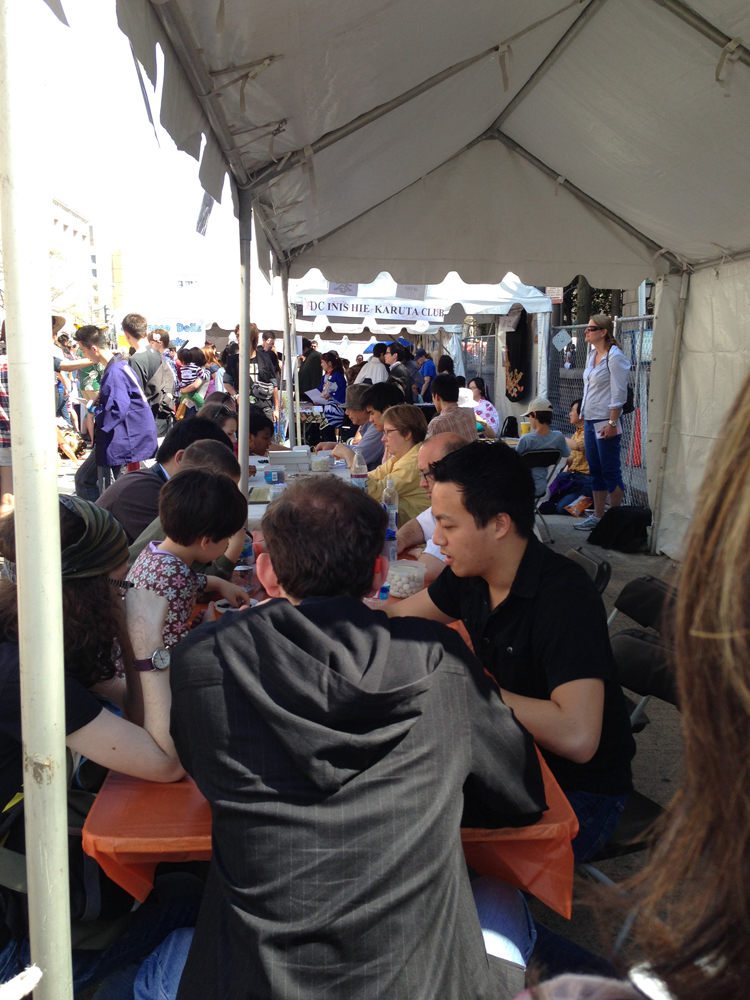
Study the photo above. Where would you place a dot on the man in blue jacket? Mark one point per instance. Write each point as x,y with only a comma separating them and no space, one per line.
124,428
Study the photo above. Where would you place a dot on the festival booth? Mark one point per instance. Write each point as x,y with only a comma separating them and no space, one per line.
433,317
420,139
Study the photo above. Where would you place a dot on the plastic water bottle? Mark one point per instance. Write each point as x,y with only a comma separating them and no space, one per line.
359,470
390,502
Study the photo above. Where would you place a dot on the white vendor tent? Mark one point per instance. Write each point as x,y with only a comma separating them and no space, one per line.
604,138
608,138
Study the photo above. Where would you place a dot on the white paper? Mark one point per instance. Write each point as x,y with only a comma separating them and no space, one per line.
316,396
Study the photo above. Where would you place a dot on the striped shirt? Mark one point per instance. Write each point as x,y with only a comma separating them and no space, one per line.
454,419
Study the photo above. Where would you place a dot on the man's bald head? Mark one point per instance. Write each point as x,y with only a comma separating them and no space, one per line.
433,450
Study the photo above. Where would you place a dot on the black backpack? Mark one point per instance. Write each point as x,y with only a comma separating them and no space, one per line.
623,529
160,391
510,428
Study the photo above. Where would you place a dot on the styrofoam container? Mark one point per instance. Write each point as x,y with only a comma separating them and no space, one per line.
406,577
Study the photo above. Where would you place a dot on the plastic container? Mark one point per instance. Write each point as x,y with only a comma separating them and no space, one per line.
274,474
406,578
321,462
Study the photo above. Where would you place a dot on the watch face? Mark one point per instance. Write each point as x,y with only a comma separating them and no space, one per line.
160,659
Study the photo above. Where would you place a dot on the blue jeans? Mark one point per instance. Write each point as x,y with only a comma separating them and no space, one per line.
598,816
603,456
159,976
173,902
504,917
581,487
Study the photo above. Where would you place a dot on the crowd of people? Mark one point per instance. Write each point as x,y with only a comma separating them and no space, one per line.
342,742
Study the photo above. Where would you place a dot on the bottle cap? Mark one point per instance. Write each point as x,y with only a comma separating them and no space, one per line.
389,482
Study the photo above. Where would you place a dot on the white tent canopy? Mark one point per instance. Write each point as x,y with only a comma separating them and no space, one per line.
602,137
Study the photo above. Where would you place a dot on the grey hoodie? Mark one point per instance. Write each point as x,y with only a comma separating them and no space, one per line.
334,745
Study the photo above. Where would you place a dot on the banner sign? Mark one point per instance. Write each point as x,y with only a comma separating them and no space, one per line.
399,312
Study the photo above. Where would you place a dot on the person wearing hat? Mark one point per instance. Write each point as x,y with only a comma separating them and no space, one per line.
541,438
368,439
98,628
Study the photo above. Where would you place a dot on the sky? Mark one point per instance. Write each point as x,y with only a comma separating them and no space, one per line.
142,195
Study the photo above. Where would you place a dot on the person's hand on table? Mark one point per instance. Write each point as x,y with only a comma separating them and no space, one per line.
236,596
146,615
324,446
345,452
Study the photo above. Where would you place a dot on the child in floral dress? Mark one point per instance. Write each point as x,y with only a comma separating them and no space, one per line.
199,511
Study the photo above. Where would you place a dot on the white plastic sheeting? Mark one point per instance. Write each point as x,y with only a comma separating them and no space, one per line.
634,113
714,362
455,219
631,113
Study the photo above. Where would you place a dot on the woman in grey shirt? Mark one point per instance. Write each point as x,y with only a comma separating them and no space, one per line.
605,390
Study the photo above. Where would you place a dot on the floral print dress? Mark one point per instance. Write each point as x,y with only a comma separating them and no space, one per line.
484,409
170,577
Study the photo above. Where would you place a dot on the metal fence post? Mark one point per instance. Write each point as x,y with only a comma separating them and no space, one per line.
25,205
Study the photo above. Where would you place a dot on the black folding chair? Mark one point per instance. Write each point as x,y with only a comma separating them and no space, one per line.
644,666
597,568
546,458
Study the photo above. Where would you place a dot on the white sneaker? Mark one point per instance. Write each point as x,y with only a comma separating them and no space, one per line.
591,522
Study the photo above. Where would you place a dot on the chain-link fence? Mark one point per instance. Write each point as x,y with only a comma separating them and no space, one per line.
566,360
479,361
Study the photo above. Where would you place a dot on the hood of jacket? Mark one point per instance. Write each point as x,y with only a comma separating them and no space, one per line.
330,680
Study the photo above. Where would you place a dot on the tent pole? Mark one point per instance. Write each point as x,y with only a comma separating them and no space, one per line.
704,27
25,203
298,419
544,67
243,390
676,347
288,358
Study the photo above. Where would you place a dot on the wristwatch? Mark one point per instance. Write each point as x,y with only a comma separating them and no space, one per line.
612,423
159,660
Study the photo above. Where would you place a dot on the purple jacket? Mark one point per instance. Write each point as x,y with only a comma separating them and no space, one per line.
125,428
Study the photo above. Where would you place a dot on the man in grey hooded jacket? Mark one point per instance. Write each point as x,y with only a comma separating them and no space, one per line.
341,751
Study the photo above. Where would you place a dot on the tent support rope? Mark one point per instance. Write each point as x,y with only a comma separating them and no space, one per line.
703,27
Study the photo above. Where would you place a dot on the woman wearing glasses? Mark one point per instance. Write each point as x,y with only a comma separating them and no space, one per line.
605,390
404,430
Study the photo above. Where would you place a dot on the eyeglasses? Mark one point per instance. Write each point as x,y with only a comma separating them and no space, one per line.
390,430
427,476
593,329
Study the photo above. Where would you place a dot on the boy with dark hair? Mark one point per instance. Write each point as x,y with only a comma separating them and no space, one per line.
374,370
209,456
134,499
398,373
124,429
450,418
378,398
260,432
555,669
320,730
540,438
200,512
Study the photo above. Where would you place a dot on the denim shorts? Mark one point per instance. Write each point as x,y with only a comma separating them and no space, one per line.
603,456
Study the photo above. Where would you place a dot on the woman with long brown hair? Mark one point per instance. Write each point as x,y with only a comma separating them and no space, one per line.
97,632
693,898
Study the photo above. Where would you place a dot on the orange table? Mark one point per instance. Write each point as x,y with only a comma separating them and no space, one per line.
135,824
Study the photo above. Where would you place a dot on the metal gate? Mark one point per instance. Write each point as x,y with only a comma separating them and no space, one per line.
566,360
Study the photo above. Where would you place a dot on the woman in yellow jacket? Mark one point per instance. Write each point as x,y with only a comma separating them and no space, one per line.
404,430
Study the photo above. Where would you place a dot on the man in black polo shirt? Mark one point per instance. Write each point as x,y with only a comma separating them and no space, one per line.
539,627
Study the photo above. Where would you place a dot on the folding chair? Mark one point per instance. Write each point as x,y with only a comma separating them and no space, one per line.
546,458
597,568
643,662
